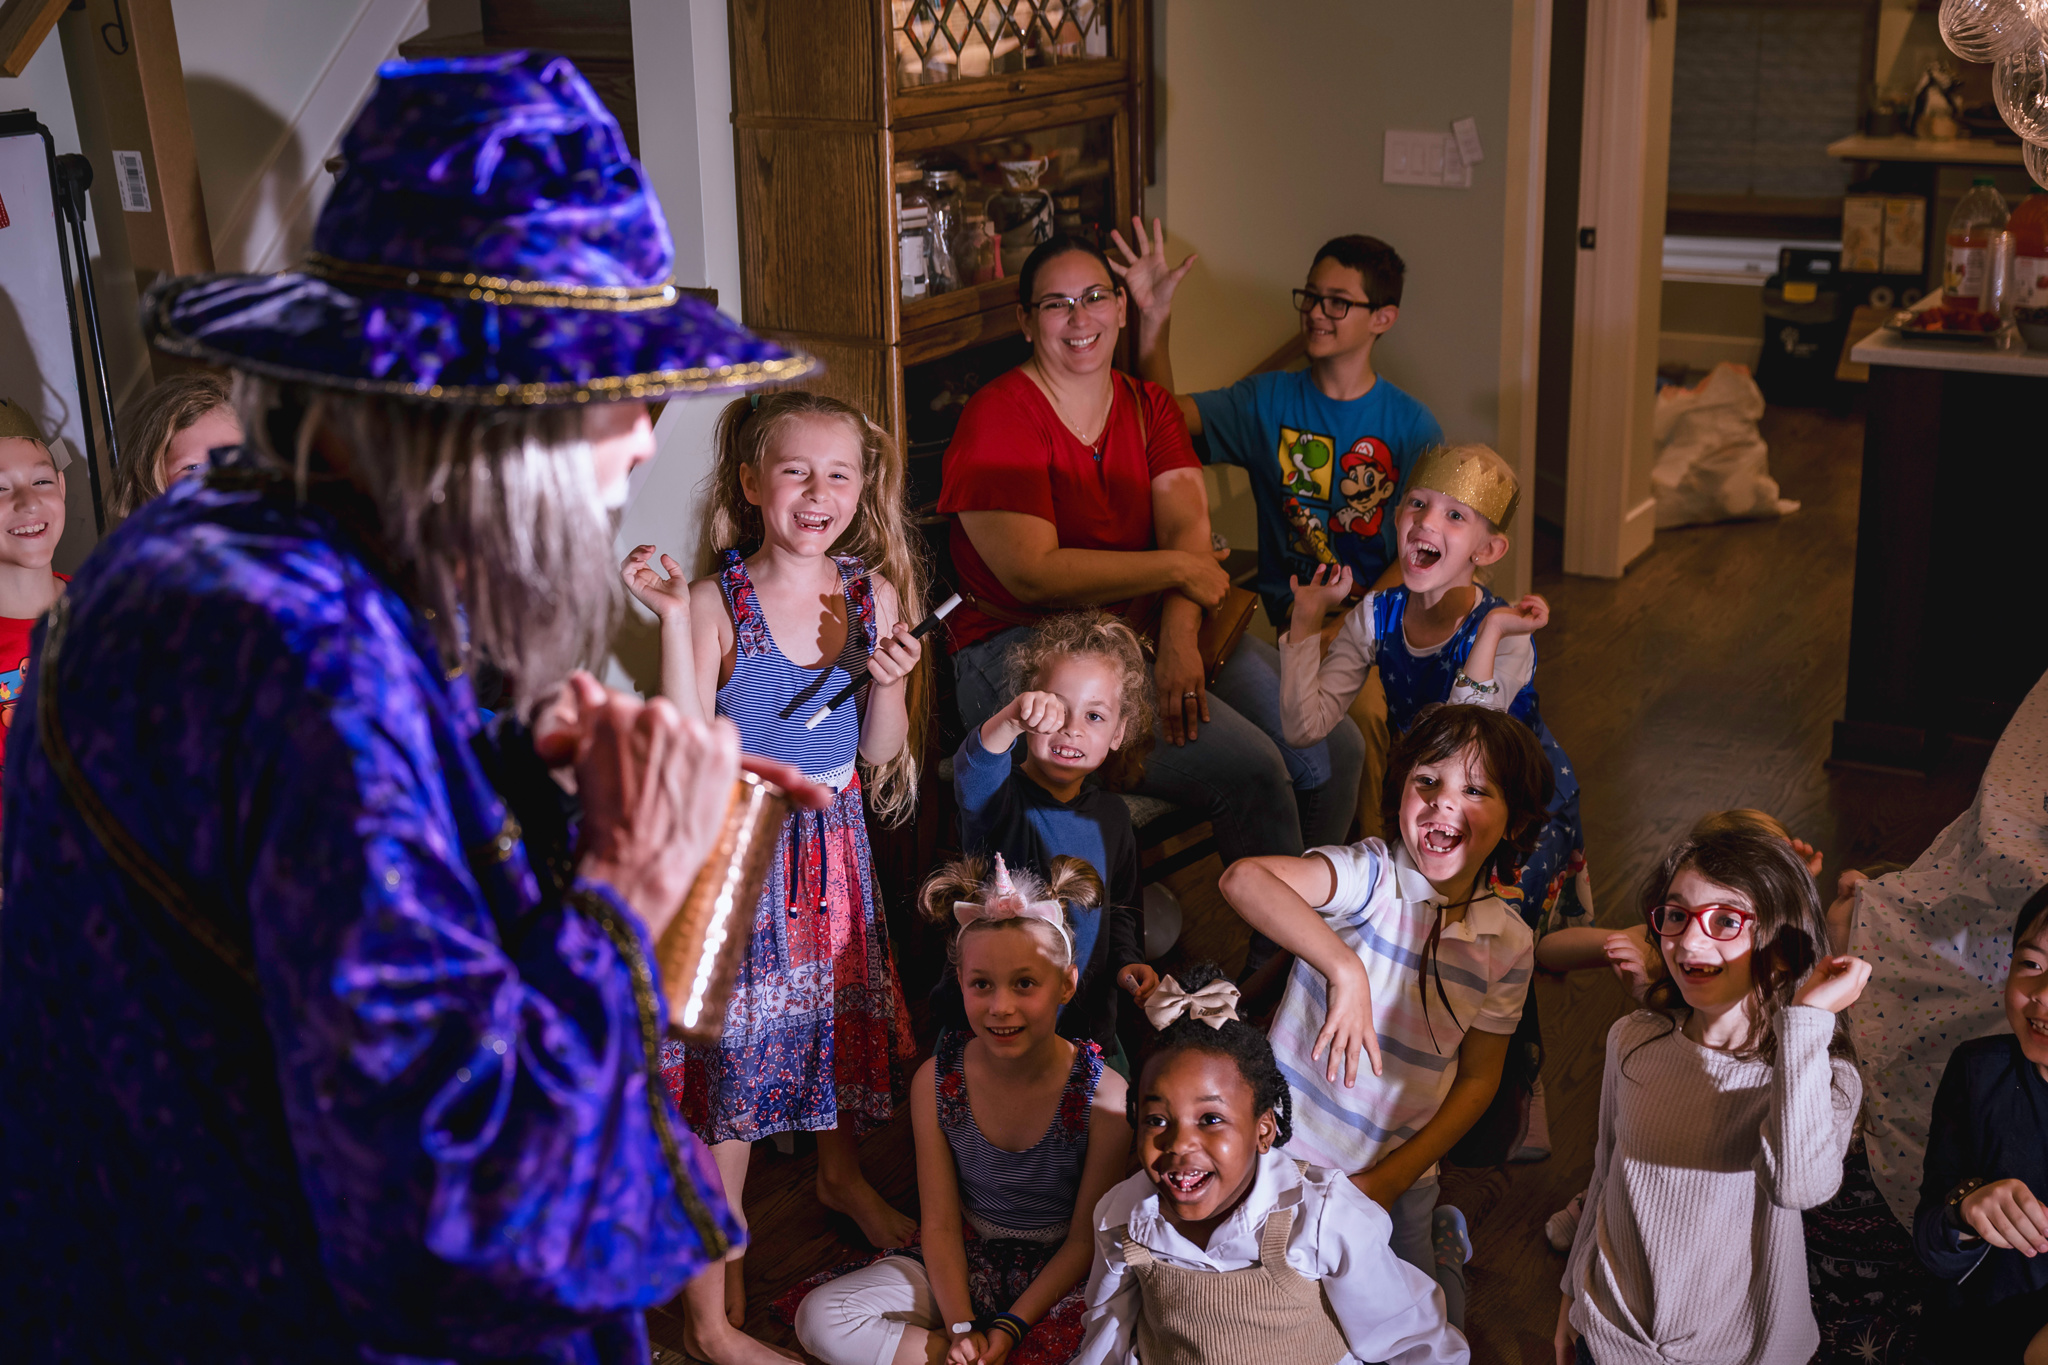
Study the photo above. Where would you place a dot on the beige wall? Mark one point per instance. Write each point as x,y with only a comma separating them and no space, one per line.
1271,143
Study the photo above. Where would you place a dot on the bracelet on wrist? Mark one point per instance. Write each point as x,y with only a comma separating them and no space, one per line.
1485,689
1952,1208
1011,1323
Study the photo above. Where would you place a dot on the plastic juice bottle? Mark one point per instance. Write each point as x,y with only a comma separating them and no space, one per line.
1972,233
2029,229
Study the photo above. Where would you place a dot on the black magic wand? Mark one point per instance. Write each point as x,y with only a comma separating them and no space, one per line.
860,679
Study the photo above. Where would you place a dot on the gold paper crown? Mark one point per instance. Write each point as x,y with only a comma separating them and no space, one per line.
1473,474
16,423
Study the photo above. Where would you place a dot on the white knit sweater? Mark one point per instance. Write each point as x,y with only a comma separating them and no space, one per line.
1691,1251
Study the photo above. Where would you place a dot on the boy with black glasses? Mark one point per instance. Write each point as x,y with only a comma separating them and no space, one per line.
1327,447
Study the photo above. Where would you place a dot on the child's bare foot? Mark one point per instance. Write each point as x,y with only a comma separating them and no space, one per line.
709,1337
723,1344
880,1222
736,1292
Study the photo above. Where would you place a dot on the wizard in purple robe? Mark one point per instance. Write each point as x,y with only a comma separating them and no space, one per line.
327,1026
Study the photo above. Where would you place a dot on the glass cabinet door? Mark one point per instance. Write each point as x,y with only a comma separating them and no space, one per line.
937,41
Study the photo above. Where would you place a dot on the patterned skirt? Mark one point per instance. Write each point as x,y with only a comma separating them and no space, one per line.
816,1035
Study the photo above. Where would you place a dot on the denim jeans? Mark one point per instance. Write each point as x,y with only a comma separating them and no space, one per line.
1414,1218
1260,795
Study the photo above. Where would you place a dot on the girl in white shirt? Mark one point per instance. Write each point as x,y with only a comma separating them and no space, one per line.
1222,1250
1725,1110
1408,956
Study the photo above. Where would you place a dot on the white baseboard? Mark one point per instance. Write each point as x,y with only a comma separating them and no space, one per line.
1638,529
1705,350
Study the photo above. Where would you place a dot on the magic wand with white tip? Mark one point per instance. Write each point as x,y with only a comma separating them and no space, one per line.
860,679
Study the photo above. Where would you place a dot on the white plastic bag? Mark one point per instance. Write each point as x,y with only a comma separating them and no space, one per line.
1711,463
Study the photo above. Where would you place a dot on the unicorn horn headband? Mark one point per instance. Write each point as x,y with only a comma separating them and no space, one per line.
1008,902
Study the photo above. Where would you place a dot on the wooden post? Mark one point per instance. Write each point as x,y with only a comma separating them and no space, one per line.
23,26
149,166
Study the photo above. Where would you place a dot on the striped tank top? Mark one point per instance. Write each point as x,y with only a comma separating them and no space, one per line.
769,698
1028,1194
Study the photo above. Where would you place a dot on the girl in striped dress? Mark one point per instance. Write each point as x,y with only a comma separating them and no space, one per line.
817,581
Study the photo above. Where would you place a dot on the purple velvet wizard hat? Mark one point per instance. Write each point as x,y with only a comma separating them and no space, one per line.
489,241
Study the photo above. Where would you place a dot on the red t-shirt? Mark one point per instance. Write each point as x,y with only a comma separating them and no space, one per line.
1012,453
14,634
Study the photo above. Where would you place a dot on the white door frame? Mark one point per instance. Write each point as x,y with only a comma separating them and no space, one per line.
1624,154
1522,269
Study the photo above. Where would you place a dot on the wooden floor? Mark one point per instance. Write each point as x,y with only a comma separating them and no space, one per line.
1706,678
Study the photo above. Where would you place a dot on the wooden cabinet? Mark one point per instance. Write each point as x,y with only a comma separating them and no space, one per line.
832,97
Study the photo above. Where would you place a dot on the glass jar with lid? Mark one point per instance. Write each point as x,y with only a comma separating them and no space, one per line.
913,233
942,193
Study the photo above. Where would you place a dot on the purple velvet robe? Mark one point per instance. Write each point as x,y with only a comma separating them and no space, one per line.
430,1129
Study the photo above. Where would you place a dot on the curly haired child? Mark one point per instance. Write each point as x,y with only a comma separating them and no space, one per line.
1224,1250
1082,704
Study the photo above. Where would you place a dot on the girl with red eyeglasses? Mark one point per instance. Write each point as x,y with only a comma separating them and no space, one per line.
1725,1110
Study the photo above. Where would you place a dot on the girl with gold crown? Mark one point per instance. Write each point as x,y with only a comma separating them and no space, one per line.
1440,636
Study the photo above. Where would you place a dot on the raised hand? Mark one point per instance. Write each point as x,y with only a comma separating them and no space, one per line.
1630,959
1808,854
1525,617
1326,587
1834,984
896,654
667,597
1039,713
1348,1029
2006,1214
1148,280
1140,980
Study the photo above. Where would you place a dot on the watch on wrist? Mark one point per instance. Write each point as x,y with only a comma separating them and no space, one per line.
1952,1208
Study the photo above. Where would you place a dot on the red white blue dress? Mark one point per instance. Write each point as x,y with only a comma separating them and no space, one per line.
816,1035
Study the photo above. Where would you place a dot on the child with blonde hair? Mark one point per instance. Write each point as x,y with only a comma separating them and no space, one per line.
1082,705
1019,1133
1440,636
167,436
818,581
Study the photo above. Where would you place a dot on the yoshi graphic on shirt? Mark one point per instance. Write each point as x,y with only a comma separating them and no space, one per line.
1305,463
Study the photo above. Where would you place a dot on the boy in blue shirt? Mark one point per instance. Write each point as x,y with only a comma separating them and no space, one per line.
1327,448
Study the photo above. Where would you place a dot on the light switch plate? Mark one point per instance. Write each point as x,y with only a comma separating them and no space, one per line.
1413,159
1466,131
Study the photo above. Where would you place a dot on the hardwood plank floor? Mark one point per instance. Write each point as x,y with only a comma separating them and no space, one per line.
1708,677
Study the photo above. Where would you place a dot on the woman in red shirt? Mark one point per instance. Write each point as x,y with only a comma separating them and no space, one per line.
1073,485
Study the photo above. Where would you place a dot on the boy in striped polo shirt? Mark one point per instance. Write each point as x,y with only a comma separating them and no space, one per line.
1404,955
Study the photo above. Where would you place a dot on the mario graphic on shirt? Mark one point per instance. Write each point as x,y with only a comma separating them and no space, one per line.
10,693
1367,487
1310,536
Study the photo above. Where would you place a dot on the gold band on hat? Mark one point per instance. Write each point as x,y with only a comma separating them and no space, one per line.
460,285
15,423
1473,474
